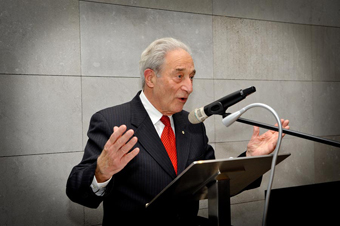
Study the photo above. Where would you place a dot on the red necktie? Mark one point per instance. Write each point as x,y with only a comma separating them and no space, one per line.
169,141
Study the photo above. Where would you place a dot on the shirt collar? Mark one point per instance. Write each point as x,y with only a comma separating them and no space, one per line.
153,113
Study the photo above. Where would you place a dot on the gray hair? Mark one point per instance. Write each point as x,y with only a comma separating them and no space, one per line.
153,56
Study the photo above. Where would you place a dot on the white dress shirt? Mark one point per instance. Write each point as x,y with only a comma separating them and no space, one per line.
155,116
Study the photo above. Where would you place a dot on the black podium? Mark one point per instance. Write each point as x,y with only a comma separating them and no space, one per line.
216,180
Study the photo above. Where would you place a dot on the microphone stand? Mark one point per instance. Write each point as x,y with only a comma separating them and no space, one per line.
289,132
227,121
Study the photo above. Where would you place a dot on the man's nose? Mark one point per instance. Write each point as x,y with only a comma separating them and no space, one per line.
187,85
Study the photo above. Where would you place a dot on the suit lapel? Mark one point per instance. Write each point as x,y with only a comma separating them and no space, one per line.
183,140
148,137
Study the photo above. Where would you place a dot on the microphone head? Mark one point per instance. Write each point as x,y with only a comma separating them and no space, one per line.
196,116
230,119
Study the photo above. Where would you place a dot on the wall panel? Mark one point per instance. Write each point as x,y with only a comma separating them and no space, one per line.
113,37
39,114
39,37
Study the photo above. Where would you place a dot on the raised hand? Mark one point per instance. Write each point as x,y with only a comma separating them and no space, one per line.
264,144
116,155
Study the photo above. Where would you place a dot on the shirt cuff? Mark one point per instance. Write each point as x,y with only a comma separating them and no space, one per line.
99,188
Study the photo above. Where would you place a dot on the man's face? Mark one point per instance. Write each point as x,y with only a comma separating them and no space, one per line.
172,89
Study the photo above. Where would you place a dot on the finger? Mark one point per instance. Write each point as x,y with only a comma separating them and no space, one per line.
111,138
117,132
129,156
128,146
123,139
256,131
285,123
286,128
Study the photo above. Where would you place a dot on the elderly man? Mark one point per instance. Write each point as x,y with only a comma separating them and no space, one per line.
136,149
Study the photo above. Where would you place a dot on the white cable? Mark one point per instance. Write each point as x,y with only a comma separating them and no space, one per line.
230,119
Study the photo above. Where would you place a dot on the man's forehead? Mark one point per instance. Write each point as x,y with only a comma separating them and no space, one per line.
179,60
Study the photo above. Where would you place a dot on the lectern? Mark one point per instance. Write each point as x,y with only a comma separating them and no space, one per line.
215,180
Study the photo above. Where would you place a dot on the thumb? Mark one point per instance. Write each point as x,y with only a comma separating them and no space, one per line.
256,131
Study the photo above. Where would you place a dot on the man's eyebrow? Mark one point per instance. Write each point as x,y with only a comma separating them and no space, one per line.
180,69
193,72
183,69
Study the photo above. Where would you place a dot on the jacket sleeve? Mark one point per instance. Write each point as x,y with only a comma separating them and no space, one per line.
78,184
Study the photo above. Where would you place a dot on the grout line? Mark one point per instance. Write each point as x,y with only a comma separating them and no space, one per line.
37,154
81,80
55,75
133,77
147,7
211,14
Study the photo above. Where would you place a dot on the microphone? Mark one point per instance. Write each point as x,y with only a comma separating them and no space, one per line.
219,106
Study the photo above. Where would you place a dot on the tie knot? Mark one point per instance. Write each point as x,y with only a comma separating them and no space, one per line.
165,120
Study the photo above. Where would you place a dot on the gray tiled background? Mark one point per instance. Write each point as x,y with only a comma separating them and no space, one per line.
61,61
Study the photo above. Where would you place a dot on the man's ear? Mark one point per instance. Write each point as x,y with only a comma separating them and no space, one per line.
149,76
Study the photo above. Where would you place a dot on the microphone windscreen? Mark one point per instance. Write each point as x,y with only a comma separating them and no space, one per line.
196,116
192,118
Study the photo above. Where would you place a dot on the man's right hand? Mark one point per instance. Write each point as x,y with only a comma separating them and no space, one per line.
116,155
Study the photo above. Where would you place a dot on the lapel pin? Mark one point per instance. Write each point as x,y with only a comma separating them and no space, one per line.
183,132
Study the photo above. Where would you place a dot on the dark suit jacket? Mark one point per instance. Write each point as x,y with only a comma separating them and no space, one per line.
146,175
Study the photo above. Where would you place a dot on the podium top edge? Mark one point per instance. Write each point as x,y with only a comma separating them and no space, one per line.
237,158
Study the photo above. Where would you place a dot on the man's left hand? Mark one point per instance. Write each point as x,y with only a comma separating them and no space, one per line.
264,144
